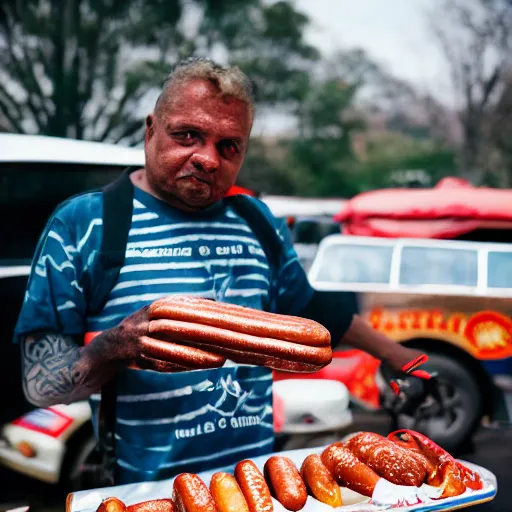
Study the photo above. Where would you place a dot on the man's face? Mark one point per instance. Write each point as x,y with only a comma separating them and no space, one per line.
195,147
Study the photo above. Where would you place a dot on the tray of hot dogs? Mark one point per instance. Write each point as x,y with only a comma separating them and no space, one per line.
364,472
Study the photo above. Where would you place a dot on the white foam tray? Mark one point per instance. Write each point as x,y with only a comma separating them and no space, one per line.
88,501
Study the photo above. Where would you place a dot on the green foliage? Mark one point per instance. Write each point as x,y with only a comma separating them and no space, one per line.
396,152
85,68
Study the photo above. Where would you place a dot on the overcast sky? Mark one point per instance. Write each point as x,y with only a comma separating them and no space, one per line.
394,32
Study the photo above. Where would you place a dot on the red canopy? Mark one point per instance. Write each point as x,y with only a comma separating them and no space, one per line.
453,207
235,189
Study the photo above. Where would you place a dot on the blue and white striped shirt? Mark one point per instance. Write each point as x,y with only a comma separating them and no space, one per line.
211,254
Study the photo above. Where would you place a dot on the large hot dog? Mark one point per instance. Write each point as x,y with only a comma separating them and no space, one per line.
285,482
227,494
186,357
320,482
188,333
163,505
224,342
389,460
190,494
348,470
240,319
111,505
253,486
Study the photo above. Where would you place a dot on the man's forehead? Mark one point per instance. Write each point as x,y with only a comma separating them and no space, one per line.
195,92
198,101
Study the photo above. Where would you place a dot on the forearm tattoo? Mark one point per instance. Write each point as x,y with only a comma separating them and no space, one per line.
54,372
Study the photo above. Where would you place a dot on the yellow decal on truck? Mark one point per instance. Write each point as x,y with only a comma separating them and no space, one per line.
485,334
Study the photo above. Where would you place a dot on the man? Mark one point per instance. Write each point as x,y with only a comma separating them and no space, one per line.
184,239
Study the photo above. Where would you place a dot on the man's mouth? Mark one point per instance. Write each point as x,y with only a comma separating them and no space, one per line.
195,177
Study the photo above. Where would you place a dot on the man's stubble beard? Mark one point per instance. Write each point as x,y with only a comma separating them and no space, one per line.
177,198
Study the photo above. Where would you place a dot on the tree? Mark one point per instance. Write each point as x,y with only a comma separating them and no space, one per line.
390,154
323,154
88,68
476,39
66,71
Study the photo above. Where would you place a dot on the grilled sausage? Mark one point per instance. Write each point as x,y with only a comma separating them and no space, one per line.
319,481
227,494
253,486
390,460
396,465
111,505
190,494
163,505
182,356
240,319
216,340
285,482
348,470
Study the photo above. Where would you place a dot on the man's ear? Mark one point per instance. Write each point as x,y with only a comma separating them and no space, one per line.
150,127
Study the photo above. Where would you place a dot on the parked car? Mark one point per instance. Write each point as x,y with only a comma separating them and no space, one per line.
36,174
450,299
56,445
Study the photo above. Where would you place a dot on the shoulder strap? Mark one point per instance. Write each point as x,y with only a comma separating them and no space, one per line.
117,218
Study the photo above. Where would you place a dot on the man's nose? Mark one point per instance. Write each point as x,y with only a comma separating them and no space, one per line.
206,158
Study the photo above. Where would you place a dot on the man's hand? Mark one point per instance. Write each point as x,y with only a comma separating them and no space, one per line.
398,356
123,342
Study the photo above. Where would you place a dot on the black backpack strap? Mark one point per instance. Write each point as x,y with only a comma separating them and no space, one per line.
262,228
117,218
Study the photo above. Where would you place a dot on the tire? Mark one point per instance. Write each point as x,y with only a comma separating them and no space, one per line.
461,391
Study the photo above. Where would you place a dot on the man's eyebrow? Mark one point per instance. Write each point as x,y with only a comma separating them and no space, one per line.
183,126
238,140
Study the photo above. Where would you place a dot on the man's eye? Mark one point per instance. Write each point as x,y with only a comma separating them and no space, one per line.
187,136
230,148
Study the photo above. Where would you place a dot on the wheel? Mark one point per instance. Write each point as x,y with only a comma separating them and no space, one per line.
80,463
453,425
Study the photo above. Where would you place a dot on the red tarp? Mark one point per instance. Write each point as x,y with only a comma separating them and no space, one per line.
235,189
453,207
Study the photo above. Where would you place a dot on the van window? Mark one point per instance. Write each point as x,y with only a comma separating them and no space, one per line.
356,264
499,273
438,266
30,192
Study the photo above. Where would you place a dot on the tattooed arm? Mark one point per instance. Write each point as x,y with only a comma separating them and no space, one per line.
57,370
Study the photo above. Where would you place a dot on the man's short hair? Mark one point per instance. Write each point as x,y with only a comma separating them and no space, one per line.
230,81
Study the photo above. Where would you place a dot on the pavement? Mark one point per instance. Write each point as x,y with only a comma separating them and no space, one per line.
492,449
